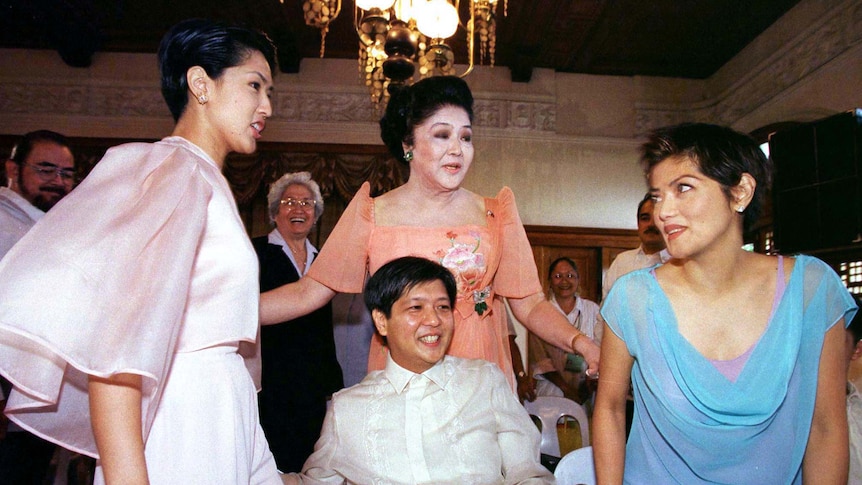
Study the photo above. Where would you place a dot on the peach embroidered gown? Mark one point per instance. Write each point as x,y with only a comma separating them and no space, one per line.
488,262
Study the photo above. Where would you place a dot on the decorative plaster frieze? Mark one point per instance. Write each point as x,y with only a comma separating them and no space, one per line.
126,101
97,101
352,107
531,116
813,49
545,117
810,50
488,113
38,99
324,107
515,115
317,107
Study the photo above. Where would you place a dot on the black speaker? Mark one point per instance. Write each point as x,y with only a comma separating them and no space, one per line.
817,190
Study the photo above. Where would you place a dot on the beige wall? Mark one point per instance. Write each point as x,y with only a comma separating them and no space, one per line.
565,143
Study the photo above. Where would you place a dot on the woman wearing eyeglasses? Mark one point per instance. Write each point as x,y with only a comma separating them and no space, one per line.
561,373
300,369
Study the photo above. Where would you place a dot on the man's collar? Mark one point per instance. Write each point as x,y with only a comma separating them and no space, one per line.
399,376
15,198
663,256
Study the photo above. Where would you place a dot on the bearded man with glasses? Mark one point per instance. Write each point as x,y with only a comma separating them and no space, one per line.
41,171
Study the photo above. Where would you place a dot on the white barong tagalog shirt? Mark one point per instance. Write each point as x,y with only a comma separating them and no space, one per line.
458,422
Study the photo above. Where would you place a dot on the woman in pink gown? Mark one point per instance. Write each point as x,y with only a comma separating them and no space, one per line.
125,307
480,239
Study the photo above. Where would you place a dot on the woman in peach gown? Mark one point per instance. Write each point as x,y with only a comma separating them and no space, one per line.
480,239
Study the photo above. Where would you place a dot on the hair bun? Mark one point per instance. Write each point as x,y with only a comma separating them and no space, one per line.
409,106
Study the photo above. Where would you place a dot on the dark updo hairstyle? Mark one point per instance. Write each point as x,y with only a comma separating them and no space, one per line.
412,105
721,153
214,46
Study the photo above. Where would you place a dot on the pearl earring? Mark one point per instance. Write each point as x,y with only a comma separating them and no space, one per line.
740,209
202,99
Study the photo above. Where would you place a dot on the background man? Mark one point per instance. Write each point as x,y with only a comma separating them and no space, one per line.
650,252
41,171
427,417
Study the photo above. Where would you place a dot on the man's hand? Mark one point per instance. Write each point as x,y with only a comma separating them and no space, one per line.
526,387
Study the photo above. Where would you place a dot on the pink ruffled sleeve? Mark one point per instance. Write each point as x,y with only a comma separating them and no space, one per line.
516,275
110,297
342,263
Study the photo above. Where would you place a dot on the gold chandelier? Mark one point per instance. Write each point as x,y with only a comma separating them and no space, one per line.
320,13
397,35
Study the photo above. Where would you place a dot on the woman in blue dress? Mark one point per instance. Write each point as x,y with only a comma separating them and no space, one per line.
734,357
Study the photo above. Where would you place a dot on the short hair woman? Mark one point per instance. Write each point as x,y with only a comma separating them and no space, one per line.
132,296
735,358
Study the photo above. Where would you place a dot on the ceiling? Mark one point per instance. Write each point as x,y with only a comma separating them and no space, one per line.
676,38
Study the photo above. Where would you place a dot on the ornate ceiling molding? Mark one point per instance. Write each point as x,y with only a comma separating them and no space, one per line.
810,50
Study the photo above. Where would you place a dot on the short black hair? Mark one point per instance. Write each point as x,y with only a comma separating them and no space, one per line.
399,276
721,153
647,198
855,325
24,146
214,46
412,105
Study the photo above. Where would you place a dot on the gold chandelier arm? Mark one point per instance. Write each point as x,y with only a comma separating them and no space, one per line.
337,10
471,29
320,13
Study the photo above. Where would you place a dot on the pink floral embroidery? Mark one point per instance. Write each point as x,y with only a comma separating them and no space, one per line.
468,267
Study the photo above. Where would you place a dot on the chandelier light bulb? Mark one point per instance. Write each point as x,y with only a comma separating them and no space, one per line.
437,19
370,4
404,10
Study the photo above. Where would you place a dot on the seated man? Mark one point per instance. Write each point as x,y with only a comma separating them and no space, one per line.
427,417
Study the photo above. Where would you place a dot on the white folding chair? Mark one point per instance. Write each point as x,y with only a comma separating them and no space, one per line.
549,409
577,468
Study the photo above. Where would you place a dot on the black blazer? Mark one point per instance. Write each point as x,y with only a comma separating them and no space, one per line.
298,355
